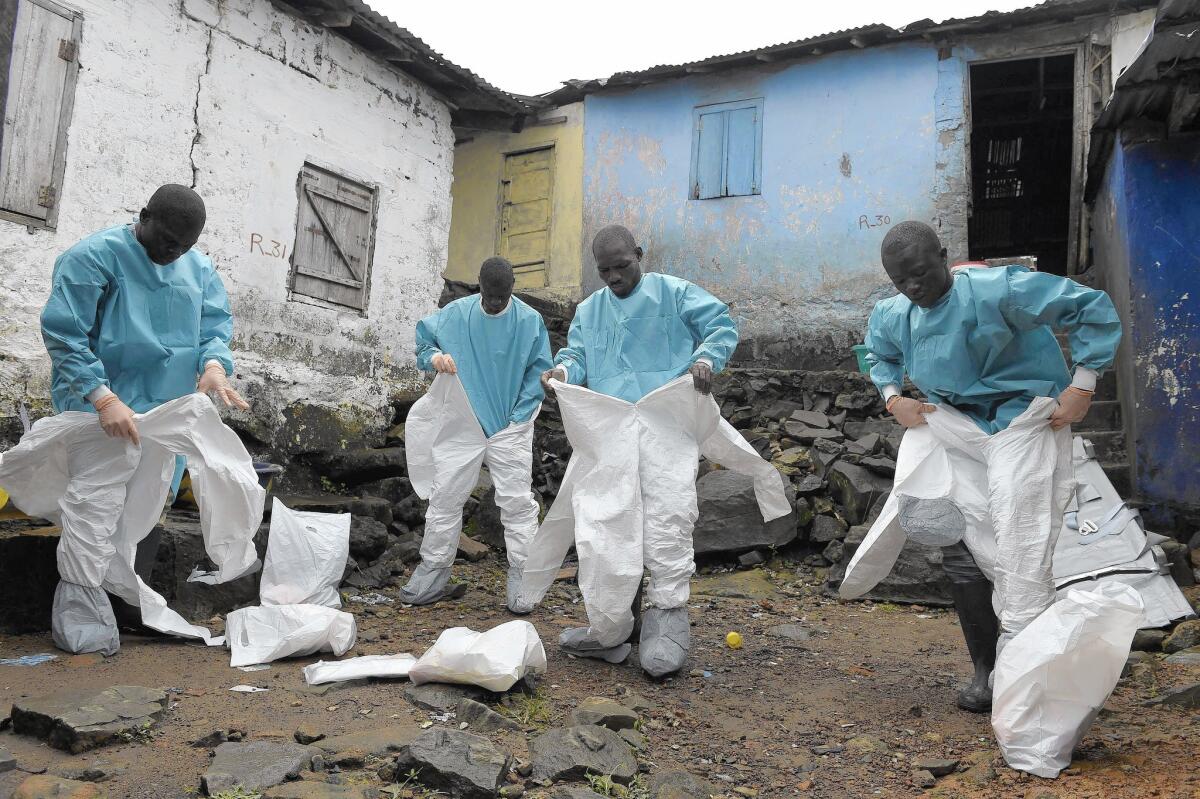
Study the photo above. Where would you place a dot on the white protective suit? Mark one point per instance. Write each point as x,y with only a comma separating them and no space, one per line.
1013,488
445,446
628,499
107,494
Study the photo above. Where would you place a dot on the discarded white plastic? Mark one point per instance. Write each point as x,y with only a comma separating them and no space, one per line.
306,557
1024,472
389,666
444,448
1103,541
249,689
629,496
1054,676
494,660
255,667
266,634
120,496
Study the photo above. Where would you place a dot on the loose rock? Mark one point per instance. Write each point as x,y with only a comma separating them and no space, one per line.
811,419
373,742
923,779
1182,696
307,733
482,718
1148,640
598,710
465,765
730,520
1185,636
471,549
80,719
441,697
44,786
7,761
255,765
827,528
311,789
572,752
857,489
680,785
792,632
938,767
1188,657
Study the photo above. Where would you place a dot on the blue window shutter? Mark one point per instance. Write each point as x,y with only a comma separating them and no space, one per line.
741,152
710,156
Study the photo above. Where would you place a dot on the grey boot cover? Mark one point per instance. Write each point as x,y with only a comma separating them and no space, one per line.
426,585
666,636
513,594
83,620
933,522
576,642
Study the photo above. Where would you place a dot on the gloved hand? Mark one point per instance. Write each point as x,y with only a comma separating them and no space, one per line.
557,373
214,381
445,364
117,418
1073,405
909,412
702,376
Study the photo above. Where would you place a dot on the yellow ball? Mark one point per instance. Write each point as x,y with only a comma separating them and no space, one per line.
733,640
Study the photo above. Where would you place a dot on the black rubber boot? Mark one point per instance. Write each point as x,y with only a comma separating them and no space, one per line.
981,628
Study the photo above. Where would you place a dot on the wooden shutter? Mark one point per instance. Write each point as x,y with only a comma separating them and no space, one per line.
710,156
40,76
741,152
335,238
525,211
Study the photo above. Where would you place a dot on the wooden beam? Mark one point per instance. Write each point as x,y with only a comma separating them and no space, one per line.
335,19
542,121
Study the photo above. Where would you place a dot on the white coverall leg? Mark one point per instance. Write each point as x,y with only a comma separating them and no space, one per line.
91,509
509,459
456,472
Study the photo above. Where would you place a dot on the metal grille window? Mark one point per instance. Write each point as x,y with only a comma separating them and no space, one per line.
727,150
39,44
335,238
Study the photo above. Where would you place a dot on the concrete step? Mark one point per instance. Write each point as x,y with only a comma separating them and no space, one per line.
1109,445
1105,415
1118,475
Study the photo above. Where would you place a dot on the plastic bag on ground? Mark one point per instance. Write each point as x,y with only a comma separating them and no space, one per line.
495,660
306,557
1052,679
393,666
107,508
266,634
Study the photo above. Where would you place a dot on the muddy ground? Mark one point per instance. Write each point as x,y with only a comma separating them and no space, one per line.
878,680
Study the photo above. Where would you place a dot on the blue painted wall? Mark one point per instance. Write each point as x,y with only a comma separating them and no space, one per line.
850,142
1161,199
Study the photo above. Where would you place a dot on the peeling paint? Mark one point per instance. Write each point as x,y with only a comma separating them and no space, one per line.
233,97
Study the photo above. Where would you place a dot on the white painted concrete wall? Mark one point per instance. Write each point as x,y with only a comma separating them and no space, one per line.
234,96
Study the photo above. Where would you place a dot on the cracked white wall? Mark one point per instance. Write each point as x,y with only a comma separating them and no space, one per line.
232,96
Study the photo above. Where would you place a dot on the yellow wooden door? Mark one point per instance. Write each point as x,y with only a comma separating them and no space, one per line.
525,214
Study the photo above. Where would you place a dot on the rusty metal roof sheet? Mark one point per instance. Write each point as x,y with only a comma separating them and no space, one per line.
1161,85
1046,12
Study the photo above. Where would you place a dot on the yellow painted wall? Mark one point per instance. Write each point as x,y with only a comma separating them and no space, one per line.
474,221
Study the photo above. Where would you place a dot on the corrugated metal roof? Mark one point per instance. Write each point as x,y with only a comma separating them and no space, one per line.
1152,87
854,38
474,98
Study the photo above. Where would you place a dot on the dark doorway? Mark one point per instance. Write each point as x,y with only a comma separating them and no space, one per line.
1021,138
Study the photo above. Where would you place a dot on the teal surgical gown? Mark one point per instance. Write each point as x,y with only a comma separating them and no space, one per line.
116,318
628,347
500,358
988,348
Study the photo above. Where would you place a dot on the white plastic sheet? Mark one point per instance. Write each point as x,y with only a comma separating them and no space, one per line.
628,498
306,557
1103,541
444,448
266,634
1054,676
390,666
494,660
1013,488
107,494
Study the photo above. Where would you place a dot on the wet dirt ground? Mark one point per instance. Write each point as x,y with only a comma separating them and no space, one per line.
874,683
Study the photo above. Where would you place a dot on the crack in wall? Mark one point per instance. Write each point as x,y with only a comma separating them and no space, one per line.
196,108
